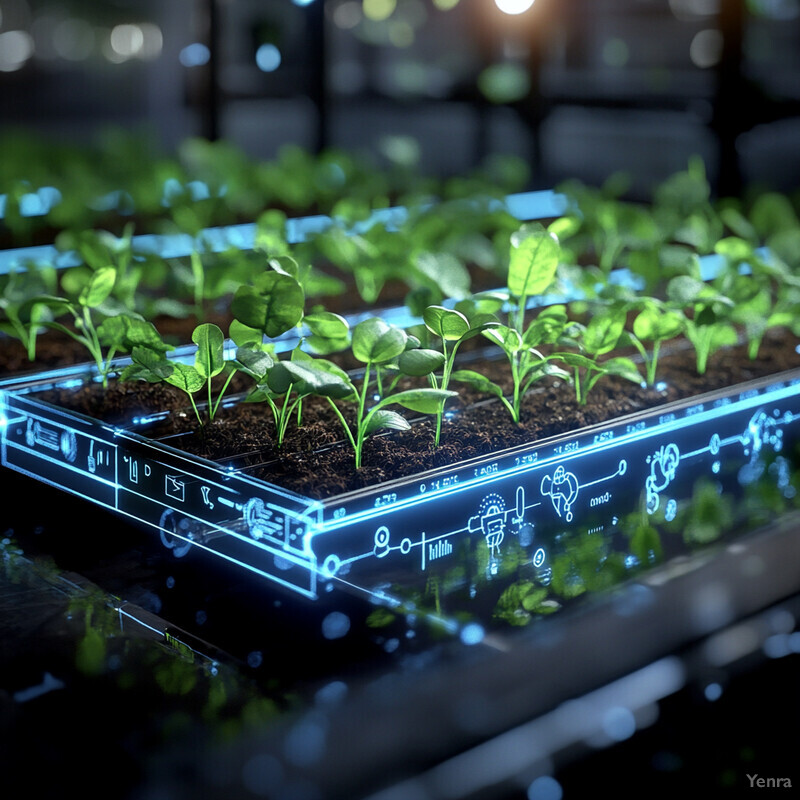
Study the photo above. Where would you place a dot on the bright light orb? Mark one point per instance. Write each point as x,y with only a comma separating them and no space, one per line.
514,6
268,58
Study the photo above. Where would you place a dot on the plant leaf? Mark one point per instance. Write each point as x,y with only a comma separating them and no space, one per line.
420,362
375,341
603,332
99,287
477,381
534,258
424,401
253,362
185,377
383,418
273,304
446,323
209,359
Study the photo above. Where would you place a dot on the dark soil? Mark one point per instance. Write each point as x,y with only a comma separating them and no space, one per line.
313,460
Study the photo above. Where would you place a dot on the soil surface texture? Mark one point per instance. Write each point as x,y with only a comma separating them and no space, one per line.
315,461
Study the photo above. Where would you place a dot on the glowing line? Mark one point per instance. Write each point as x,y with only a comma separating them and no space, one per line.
65,464
736,406
620,471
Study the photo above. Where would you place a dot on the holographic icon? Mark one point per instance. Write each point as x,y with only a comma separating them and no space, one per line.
663,466
491,522
562,489
174,488
762,431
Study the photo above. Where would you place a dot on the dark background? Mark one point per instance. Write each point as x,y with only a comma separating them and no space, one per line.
578,88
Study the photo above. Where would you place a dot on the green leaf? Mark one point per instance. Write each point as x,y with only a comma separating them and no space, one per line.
508,338
209,359
533,263
734,249
420,362
327,325
243,335
622,367
477,382
657,324
147,365
308,377
446,271
384,418
424,401
255,363
446,323
185,377
603,332
273,304
375,341
98,288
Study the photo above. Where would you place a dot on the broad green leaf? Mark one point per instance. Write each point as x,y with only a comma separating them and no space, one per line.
147,365
273,304
185,377
209,359
547,327
376,342
508,338
424,401
420,362
254,362
623,367
603,332
327,325
477,381
533,264
446,323
98,288
446,271
305,377
383,418
657,324
734,249
685,290
243,335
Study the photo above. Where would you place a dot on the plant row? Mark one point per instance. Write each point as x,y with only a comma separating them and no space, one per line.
618,330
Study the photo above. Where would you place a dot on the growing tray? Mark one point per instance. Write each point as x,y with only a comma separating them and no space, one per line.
514,504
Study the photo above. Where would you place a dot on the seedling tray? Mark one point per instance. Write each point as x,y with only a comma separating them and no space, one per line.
516,503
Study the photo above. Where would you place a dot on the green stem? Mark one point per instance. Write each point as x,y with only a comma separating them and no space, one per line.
346,430
222,392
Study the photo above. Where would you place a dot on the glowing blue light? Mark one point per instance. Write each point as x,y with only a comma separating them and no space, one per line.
255,659
472,634
777,646
335,625
194,55
3,421
545,788
713,692
619,723
268,58
302,3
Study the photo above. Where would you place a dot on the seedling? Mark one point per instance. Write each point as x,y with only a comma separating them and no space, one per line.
655,323
152,365
376,343
599,337
708,314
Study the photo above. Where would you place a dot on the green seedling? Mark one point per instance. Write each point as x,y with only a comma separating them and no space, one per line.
533,262
656,324
285,384
375,344
116,333
708,317
453,328
153,366
599,337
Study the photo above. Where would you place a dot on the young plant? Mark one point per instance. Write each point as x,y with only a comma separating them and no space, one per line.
707,312
599,337
655,323
104,339
453,327
375,344
533,262
153,366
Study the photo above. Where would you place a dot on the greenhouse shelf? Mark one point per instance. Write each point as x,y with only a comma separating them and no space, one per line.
520,500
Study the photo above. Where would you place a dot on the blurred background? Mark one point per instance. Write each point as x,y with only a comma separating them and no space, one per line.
578,88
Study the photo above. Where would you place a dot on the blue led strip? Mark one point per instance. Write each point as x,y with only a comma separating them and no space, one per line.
524,206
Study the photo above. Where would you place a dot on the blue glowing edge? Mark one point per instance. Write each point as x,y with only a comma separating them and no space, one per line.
521,497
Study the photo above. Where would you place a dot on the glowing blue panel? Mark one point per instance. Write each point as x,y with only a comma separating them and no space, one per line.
514,506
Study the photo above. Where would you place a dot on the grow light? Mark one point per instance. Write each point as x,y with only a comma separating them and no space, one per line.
517,506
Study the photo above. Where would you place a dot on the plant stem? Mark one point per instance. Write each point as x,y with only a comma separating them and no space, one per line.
346,430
